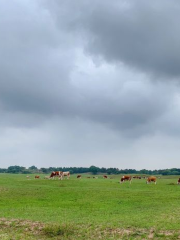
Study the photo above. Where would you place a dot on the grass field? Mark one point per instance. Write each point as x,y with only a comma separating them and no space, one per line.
88,208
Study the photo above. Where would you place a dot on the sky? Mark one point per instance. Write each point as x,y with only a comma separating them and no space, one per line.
90,82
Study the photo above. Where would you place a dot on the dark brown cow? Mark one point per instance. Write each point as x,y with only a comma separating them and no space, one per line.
126,178
78,176
178,182
151,179
105,176
56,174
37,176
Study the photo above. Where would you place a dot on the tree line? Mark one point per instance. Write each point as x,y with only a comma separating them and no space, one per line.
91,169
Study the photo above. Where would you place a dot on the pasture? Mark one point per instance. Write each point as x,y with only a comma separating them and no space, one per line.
88,208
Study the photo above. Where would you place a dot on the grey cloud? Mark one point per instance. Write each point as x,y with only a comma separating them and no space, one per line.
39,63
76,83
143,34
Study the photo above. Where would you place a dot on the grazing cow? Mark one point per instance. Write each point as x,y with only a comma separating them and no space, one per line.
126,178
37,176
151,179
105,176
65,174
178,182
78,176
56,174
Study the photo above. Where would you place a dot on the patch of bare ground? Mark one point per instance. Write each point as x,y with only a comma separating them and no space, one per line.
35,227
139,233
13,229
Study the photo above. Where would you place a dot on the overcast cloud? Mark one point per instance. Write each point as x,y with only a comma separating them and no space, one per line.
90,83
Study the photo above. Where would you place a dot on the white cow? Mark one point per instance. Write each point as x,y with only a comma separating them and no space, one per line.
65,174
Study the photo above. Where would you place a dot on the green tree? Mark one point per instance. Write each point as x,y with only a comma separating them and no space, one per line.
93,169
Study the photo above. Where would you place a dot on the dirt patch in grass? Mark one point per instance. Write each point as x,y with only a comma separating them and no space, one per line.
35,227
24,229
137,233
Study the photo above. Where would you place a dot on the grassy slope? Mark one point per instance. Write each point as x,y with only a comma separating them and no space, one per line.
92,202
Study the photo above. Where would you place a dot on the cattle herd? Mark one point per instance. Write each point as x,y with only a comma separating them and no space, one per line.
60,175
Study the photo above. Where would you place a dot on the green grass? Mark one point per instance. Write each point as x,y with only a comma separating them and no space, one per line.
89,208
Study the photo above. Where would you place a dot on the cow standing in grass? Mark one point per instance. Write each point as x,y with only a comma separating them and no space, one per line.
105,177
78,176
178,182
151,179
56,174
65,174
37,177
126,178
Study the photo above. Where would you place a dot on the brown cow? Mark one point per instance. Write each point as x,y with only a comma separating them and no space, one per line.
78,176
56,174
178,182
105,176
126,178
37,176
151,179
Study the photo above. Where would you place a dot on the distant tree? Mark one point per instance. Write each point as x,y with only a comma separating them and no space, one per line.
33,168
93,169
44,170
15,169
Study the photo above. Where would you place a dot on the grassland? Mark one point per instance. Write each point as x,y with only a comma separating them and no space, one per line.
88,208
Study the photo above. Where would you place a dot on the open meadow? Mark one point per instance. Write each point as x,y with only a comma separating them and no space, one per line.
88,208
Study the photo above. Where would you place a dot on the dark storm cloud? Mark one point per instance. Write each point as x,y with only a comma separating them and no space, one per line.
35,63
142,34
40,68
76,83
145,35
